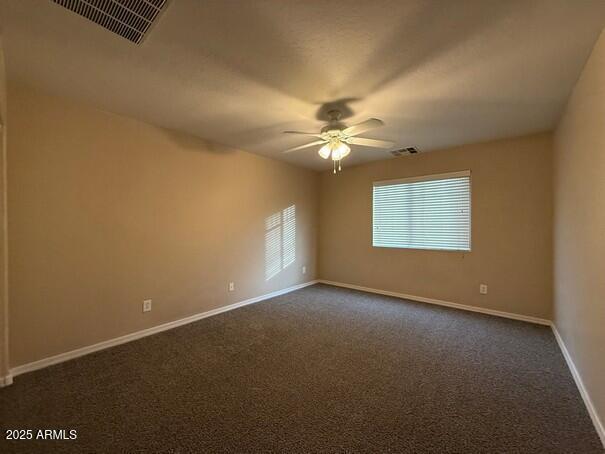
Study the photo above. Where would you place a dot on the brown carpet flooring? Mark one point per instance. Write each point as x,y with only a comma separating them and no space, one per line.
322,369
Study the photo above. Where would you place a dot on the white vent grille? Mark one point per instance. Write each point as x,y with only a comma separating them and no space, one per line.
406,150
130,19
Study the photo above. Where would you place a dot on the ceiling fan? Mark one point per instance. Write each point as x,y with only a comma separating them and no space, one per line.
336,137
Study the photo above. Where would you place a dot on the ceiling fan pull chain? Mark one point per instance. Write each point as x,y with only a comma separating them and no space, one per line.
334,162
339,168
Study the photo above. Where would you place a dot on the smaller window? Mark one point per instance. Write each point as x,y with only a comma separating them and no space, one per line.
427,212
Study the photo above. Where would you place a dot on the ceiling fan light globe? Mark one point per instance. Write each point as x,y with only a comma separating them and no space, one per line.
344,150
324,151
340,151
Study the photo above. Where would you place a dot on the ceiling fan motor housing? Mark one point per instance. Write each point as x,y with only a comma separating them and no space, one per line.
334,123
333,129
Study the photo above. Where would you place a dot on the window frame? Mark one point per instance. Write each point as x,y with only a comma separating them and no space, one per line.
429,177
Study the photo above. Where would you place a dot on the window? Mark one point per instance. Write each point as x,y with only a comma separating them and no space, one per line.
280,241
428,212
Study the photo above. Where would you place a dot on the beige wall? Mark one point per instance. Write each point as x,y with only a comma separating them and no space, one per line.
107,211
579,234
511,229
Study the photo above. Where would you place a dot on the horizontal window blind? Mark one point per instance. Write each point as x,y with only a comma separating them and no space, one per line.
429,212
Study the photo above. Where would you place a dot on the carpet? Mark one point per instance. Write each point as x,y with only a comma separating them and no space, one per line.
322,369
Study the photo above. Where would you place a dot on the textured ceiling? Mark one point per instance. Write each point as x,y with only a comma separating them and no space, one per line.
439,73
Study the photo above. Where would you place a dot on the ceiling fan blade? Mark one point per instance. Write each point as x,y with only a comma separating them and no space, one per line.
314,134
317,142
362,127
371,142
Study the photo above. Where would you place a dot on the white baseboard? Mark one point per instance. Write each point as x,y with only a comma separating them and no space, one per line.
422,299
580,384
6,380
45,362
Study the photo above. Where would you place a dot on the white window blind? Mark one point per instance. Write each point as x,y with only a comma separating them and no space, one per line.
428,212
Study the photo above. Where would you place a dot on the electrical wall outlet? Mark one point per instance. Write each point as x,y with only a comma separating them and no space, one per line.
231,286
483,289
146,305
304,270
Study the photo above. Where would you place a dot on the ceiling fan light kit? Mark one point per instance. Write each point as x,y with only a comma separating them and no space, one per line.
335,138
336,149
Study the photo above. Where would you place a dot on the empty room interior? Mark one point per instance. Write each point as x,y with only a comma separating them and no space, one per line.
302,226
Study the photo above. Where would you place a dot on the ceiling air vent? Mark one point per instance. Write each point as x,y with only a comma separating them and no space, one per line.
130,19
406,150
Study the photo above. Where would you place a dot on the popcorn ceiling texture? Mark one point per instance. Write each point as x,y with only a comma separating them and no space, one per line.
239,73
